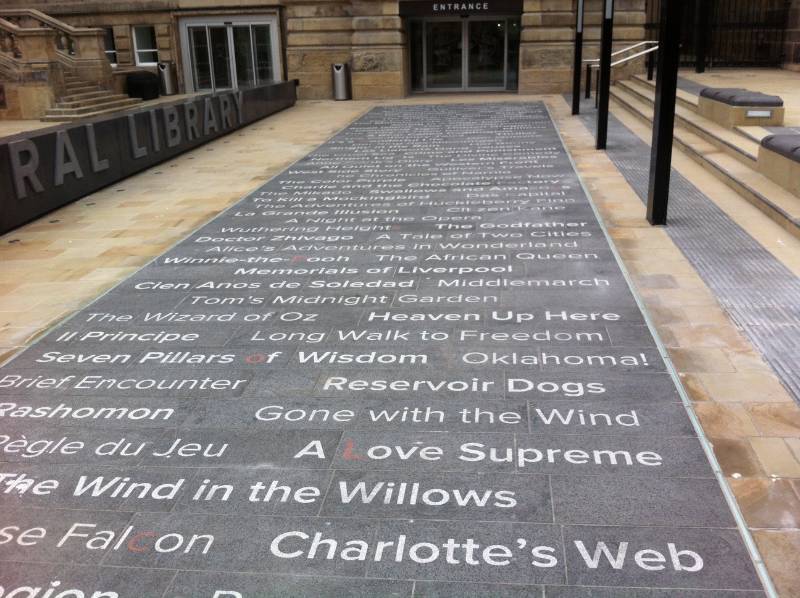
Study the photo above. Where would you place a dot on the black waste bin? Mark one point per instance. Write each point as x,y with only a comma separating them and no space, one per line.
143,84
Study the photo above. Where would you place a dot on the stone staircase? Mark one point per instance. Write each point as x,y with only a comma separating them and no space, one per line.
86,100
729,154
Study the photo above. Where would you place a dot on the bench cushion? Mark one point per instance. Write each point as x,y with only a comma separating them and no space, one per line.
785,145
741,97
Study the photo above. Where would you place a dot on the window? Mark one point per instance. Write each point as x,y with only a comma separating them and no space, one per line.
111,47
227,52
144,45
263,51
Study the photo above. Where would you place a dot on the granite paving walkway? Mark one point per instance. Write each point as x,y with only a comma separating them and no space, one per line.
409,365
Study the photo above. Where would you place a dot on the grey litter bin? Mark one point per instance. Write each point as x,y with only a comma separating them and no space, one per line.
167,78
341,81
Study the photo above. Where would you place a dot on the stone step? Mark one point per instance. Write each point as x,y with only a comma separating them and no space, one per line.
102,98
84,111
640,84
732,142
777,203
70,90
76,117
83,96
686,98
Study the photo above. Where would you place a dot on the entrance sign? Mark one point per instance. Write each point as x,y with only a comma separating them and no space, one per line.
45,169
407,365
431,8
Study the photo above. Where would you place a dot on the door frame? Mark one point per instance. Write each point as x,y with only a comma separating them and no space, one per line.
228,21
464,52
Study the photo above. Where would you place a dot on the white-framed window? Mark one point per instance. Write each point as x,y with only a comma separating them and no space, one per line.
145,47
230,52
111,46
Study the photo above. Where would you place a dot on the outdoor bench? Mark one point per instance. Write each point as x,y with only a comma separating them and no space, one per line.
732,107
779,160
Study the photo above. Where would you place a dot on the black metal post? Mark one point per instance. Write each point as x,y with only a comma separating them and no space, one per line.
664,115
588,80
578,57
604,82
597,91
702,34
651,64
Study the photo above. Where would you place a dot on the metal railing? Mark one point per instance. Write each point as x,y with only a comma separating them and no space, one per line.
729,33
36,47
594,63
623,50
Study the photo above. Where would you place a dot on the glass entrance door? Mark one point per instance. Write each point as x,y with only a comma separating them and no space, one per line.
487,53
220,57
229,54
464,54
445,63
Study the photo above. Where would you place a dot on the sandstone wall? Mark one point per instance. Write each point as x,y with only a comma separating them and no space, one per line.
548,34
368,35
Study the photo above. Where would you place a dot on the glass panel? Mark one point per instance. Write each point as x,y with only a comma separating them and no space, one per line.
220,58
261,35
487,41
145,43
147,57
201,69
443,54
512,79
415,46
243,53
110,45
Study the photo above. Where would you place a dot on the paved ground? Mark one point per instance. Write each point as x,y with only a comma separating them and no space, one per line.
752,421
757,291
741,405
60,262
488,403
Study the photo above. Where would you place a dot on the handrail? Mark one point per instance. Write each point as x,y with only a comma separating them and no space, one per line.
47,20
595,64
627,58
70,42
623,50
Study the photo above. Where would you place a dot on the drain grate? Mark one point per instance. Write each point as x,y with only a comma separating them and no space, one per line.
761,295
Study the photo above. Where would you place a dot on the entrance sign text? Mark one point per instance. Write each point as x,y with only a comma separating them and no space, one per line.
421,8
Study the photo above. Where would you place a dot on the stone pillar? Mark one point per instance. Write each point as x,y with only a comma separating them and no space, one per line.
318,34
792,45
379,51
91,63
548,30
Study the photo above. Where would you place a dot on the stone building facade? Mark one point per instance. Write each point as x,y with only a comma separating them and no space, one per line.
514,45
